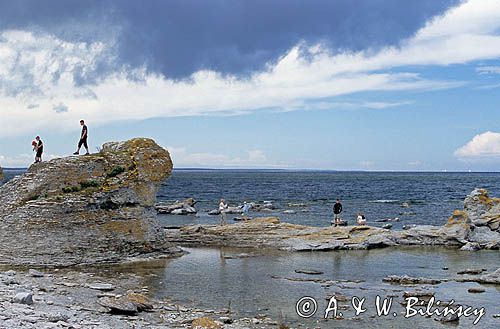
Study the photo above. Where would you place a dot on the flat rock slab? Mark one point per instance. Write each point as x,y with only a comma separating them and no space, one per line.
309,272
405,279
118,305
101,286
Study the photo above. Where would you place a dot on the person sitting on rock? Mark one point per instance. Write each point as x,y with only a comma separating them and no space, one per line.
222,208
361,220
337,209
38,147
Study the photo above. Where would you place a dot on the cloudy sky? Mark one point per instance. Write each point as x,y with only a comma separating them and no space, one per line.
340,84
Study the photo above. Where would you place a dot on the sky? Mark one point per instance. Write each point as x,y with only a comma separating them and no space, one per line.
292,84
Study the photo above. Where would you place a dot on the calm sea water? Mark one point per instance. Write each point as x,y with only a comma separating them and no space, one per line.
379,195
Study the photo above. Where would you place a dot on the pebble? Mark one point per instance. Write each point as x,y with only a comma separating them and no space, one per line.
101,286
23,298
35,273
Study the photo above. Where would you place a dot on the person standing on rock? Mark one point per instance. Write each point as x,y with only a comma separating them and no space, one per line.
222,208
38,147
246,210
83,139
337,209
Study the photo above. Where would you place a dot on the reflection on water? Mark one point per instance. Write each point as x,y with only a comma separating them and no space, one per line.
258,284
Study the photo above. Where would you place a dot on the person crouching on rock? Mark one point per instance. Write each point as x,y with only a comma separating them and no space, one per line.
222,208
83,139
38,147
337,209
361,220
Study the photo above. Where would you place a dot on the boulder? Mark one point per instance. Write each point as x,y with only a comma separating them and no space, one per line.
471,246
86,209
482,209
23,298
205,323
184,207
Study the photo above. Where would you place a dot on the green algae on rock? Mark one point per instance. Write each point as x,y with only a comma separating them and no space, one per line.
82,210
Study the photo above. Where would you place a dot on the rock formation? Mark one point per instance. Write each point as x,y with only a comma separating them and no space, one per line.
475,227
86,209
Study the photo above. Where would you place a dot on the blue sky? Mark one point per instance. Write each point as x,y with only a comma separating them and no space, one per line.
346,85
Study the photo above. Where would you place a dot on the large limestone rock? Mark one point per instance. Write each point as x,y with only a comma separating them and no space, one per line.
482,209
86,209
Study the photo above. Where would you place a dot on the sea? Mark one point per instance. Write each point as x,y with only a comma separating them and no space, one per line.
307,197
410,197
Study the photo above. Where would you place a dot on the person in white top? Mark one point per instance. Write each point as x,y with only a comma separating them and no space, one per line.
361,219
222,209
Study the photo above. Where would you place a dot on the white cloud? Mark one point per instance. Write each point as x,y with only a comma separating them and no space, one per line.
43,70
485,145
23,160
488,69
253,158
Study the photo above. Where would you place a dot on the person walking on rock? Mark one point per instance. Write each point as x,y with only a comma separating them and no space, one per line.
83,139
38,147
337,209
222,208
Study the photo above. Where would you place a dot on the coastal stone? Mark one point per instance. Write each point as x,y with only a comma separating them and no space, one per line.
387,226
184,207
489,278
35,273
101,286
471,246
405,279
484,236
118,305
87,209
449,318
214,212
289,212
476,290
472,271
23,298
226,320
309,272
205,323
477,203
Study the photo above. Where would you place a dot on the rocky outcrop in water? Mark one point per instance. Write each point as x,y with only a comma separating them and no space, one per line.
472,228
185,207
86,209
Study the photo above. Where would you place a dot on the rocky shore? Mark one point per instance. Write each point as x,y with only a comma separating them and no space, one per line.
473,228
73,299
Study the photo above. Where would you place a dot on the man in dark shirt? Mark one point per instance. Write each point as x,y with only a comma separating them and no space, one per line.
83,138
39,149
337,209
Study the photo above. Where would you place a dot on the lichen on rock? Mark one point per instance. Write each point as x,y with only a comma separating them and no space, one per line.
76,210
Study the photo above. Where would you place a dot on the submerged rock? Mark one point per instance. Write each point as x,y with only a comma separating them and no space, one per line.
85,209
